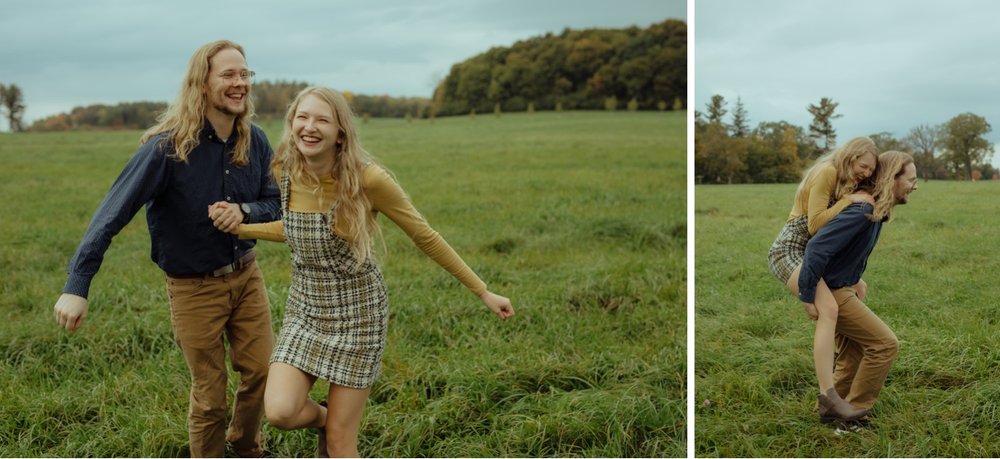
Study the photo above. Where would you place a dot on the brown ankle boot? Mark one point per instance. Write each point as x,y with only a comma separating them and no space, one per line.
833,408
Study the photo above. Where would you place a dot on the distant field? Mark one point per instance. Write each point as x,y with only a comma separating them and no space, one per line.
932,279
578,217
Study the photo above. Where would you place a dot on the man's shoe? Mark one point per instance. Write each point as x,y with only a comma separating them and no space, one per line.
865,423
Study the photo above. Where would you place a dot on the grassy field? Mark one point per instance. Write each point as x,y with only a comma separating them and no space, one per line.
578,217
932,279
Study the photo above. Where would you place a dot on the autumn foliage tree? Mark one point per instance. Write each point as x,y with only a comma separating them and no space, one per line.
577,69
725,154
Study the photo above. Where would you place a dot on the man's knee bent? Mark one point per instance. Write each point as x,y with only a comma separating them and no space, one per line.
886,349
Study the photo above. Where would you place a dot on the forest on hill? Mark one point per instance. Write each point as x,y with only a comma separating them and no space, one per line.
592,69
577,69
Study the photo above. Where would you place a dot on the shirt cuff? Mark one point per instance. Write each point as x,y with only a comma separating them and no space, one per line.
78,285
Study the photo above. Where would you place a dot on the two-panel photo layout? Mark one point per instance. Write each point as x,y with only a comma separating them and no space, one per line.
647,228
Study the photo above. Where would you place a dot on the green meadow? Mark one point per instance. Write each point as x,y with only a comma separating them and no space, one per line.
931,278
578,217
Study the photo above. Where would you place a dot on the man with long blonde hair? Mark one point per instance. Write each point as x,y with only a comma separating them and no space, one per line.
838,253
203,152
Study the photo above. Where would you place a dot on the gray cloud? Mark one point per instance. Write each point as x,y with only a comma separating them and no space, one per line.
67,53
891,65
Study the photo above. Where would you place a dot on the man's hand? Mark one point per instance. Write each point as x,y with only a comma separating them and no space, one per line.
861,197
70,311
226,216
811,311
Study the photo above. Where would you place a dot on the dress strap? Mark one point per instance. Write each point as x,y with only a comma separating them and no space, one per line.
284,185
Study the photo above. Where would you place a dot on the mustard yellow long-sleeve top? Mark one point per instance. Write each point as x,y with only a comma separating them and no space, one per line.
386,197
813,199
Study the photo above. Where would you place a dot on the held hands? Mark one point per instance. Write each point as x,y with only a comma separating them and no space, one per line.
861,197
500,305
226,216
70,311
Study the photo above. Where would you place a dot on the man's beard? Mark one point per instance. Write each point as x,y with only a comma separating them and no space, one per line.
229,111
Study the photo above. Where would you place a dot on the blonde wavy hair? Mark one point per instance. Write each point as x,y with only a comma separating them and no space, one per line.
842,159
184,118
891,165
351,205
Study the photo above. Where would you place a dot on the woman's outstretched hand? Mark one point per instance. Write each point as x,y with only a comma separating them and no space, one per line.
500,305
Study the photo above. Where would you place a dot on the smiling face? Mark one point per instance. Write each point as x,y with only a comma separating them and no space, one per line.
864,167
906,183
315,130
227,96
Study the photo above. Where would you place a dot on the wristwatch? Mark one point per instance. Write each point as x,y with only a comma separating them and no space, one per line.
246,212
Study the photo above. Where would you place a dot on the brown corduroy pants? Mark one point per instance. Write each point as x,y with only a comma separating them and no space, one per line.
866,348
204,311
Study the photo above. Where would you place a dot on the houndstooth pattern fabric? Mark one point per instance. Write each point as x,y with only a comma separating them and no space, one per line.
337,309
789,250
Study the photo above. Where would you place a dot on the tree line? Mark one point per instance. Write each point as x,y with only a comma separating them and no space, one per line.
271,100
727,150
635,68
577,69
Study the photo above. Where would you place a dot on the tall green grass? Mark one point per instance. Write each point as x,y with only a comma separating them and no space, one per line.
578,217
931,279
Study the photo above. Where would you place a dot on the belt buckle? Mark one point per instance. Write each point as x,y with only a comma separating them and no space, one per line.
225,270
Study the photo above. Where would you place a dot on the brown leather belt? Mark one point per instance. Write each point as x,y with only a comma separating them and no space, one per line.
240,264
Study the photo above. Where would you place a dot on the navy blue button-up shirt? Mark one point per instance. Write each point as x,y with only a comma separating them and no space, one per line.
177,195
839,251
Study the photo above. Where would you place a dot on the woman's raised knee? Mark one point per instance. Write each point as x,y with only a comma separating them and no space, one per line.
281,413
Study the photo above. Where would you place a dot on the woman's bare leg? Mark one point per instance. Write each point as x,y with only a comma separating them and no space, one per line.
343,419
286,399
826,327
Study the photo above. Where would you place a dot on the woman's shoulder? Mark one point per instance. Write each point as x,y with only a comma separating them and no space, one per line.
375,175
828,170
825,175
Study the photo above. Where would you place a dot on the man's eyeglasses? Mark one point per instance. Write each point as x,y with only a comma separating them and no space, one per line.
231,76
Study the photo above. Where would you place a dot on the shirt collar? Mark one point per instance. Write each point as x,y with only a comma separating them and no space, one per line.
208,133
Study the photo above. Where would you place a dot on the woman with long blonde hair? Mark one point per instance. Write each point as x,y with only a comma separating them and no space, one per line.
826,189
336,316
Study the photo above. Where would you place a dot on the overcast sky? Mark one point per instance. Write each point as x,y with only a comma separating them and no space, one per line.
890,64
70,53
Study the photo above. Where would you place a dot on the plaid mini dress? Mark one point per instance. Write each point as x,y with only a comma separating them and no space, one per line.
337,310
789,250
